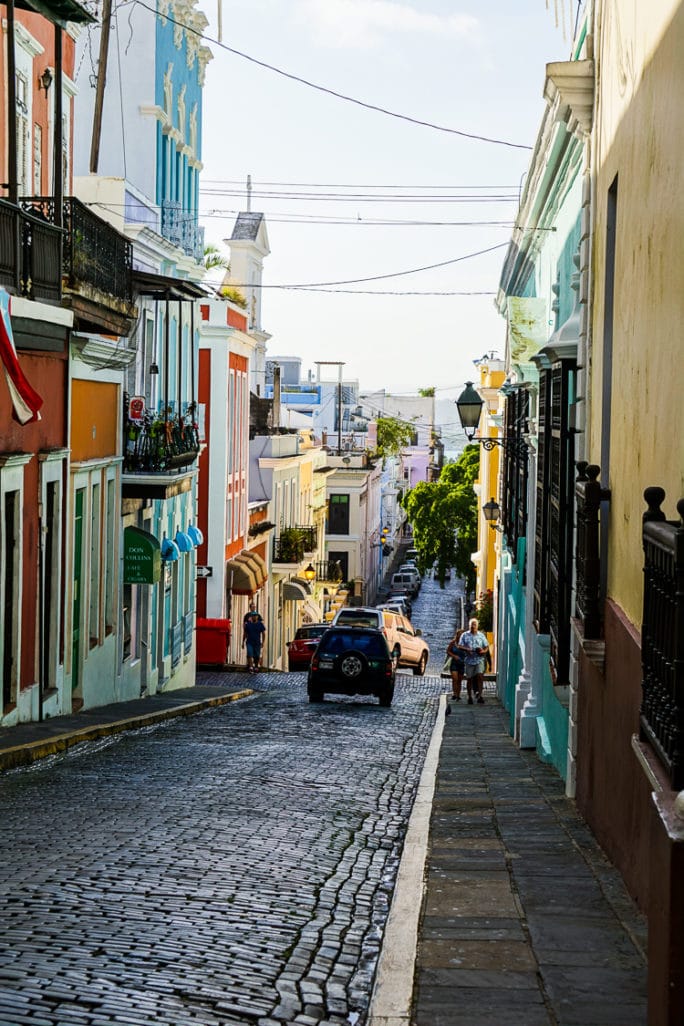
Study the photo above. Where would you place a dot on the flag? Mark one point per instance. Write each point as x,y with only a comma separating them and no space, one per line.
25,399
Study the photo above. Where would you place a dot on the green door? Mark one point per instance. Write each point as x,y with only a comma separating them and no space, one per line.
78,573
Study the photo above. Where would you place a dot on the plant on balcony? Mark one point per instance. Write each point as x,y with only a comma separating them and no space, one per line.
290,545
160,441
234,295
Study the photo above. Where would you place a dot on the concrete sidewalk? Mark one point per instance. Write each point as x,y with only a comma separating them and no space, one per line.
524,921
27,742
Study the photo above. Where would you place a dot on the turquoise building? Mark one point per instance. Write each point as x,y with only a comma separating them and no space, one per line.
543,299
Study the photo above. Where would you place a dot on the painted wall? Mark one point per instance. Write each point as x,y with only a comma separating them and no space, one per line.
95,416
640,99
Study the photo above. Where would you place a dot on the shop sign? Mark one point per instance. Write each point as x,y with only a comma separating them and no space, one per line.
136,408
142,557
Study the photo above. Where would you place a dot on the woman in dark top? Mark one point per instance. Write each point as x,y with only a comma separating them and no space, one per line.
457,666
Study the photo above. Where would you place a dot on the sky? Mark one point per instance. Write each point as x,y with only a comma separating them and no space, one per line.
472,66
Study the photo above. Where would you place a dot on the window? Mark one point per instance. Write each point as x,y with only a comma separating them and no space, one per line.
11,572
555,508
341,558
37,160
110,569
338,515
23,136
94,609
514,516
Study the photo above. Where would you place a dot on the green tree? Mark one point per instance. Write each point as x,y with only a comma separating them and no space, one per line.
443,515
214,258
392,435
427,393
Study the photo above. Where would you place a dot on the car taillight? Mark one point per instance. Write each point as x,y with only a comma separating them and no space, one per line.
314,663
388,668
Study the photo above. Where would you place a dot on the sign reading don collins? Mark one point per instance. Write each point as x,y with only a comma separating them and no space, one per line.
142,557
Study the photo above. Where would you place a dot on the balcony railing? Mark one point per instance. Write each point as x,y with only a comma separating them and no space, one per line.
588,497
30,254
329,570
95,255
159,442
181,229
294,543
662,635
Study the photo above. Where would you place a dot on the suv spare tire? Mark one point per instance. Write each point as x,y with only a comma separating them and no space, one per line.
352,664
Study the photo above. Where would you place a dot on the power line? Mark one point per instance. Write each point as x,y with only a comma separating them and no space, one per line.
358,185
314,285
333,92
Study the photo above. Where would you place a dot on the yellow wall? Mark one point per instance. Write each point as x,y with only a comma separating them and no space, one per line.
638,137
95,416
490,381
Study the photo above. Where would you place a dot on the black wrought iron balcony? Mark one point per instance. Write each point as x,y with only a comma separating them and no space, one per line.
97,259
30,254
294,543
662,636
329,570
161,442
588,498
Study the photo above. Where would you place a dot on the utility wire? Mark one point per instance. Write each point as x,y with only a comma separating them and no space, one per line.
333,92
377,277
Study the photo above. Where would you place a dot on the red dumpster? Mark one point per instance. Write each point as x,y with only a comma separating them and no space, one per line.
213,637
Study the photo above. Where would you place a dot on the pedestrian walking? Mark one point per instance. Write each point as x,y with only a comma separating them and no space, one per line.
253,639
456,665
251,611
475,645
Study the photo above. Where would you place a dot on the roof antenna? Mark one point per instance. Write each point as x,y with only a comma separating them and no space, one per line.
249,193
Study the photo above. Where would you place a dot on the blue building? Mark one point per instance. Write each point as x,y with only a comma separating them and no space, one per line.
137,160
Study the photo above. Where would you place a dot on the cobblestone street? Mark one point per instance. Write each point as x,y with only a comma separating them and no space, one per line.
231,867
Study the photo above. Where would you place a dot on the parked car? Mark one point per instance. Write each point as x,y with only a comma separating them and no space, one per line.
410,568
398,604
411,554
402,597
405,581
302,646
413,650
352,661
383,620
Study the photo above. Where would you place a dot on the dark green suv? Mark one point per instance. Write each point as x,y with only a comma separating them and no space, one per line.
352,661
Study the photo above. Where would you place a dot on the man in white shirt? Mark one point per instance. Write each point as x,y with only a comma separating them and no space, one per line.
475,645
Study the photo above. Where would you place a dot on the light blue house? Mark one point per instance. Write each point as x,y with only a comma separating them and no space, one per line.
137,165
542,296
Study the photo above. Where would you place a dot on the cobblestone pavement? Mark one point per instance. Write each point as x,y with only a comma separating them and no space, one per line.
232,867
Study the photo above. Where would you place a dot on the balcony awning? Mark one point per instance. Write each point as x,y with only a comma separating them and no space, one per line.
164,286
59,12
295,591
240,577
254,560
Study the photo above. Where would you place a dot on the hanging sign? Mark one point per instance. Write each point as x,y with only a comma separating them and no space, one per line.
142,557
136,408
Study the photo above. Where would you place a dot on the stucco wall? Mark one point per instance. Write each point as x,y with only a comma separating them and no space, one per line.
639,131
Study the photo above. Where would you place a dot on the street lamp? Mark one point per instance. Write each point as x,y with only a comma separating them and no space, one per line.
46,81
492,512
469,405
310,573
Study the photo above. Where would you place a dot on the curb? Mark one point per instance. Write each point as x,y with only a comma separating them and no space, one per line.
24,755
392,998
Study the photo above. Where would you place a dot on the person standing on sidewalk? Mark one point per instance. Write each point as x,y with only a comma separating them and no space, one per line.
253,639
456,667
475,645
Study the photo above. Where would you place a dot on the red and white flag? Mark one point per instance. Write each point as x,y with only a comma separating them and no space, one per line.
25,399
